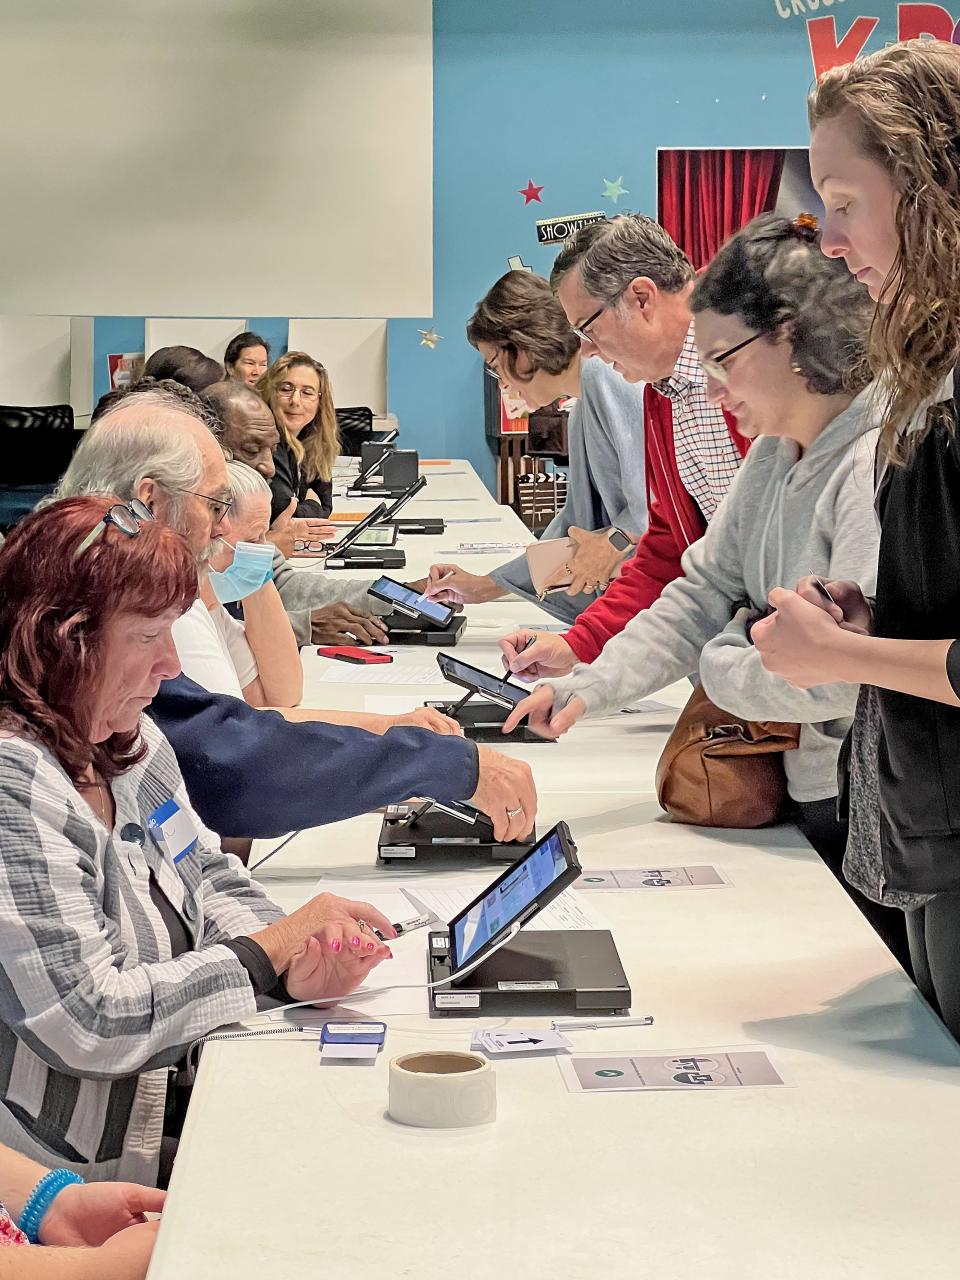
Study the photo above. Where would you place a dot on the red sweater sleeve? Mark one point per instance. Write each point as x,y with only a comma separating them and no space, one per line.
655,563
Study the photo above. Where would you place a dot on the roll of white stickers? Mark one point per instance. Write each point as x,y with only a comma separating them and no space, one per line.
440,1089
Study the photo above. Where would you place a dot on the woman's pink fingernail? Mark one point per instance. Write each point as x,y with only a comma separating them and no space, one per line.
354,941
335,944
369,946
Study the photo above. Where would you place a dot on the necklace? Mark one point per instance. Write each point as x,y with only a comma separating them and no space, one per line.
103,814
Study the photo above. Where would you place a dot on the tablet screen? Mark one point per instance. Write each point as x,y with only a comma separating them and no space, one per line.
391,590
350,537
473,678
509,897
376,536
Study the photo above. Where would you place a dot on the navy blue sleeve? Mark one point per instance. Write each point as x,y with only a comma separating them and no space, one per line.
250,773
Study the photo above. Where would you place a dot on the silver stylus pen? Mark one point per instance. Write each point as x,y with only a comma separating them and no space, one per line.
592,1024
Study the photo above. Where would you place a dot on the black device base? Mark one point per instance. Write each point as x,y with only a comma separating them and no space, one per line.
368,558
406,630
540,972
378,491
483,721
410,524
437,835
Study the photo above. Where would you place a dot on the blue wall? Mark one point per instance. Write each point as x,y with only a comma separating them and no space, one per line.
569,93
113,334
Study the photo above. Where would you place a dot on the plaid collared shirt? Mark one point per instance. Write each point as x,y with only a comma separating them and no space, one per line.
707,458
94,1007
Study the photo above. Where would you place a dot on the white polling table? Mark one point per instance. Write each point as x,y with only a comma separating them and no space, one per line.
292,1169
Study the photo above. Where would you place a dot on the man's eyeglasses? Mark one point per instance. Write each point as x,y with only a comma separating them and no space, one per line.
714,368
302,544
220,505
581,330
127,517
288,390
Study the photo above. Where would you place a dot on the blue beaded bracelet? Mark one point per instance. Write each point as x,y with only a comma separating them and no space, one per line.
41,1198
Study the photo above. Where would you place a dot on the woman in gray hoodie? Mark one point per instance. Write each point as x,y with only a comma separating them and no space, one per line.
781,330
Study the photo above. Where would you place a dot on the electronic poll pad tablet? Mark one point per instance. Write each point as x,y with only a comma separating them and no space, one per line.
392,592
350,537
497,688
485,963
515,897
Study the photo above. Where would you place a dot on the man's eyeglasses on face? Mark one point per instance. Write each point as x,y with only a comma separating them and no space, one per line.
288,390
220,505
127,517
714,367
581,330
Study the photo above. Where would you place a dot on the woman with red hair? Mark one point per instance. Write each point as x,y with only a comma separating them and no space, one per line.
125,932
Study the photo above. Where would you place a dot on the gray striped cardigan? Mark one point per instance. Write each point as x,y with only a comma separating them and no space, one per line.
93,1008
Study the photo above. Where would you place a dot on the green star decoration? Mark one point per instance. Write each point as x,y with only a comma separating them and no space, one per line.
614,190
430,338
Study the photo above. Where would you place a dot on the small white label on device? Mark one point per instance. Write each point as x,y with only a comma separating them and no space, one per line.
356,1028
398,851
457,1000
546,985
439,944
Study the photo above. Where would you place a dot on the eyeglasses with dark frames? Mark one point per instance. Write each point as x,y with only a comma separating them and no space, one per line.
220,505
714,367
581,330
125,516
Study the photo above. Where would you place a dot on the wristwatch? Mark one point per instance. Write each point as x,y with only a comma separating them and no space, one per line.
618,539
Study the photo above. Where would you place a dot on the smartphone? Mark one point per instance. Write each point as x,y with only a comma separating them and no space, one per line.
496,688
349,653
409,602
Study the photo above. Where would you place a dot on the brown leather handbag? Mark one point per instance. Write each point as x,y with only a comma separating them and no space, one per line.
719,771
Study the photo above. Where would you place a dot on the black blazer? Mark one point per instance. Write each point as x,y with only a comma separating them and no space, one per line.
290,482
918,598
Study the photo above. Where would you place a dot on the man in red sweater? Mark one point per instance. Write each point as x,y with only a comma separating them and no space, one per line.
625,287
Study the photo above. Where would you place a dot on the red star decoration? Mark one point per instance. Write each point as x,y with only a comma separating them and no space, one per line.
530,193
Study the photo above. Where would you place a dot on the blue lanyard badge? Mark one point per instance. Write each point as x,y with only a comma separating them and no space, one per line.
173,830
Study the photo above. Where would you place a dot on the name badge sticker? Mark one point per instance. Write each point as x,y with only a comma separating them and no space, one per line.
173,830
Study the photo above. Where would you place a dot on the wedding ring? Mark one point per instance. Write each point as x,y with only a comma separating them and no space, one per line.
513,813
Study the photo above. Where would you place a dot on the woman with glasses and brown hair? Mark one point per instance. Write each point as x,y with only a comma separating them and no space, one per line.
125,931
297,389
781,332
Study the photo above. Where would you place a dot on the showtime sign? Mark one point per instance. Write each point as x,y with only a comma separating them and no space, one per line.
913,20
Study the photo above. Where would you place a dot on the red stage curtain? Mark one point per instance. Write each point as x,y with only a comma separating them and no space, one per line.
705,196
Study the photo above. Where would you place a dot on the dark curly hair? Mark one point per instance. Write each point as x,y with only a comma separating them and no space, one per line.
773,275
521,313
166,392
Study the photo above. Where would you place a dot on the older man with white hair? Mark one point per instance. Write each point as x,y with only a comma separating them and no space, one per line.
249,772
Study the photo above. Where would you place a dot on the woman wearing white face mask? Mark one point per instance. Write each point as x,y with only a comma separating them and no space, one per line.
258,659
